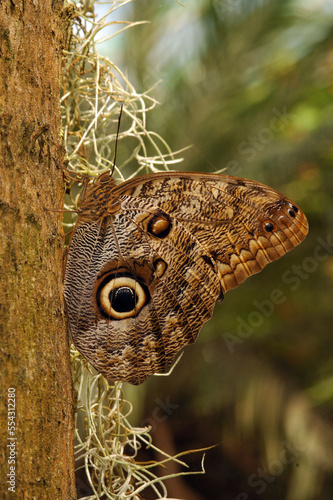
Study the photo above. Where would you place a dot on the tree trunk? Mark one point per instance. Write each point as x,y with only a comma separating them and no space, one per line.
36,415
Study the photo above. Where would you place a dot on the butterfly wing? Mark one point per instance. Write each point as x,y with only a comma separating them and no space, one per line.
143,278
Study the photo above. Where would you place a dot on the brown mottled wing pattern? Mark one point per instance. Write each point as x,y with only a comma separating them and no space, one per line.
147,264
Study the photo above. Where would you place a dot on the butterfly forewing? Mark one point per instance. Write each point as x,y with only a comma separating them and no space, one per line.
145,269
243,224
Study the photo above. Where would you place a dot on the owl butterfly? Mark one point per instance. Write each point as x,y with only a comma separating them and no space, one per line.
149,258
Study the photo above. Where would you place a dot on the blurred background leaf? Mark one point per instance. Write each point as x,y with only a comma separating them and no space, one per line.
248,83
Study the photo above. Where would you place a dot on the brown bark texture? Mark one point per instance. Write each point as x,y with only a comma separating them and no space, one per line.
36,452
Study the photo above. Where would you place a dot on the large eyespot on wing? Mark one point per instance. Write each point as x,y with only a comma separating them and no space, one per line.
121,295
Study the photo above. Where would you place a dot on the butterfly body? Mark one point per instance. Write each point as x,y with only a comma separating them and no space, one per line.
150,257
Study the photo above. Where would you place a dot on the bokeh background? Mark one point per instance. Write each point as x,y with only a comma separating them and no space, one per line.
248,84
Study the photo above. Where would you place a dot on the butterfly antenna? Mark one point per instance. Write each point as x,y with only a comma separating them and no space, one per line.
116,145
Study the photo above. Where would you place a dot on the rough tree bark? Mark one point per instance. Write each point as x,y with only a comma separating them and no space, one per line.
34,352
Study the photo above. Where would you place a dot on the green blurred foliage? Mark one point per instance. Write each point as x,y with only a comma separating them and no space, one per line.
249,85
